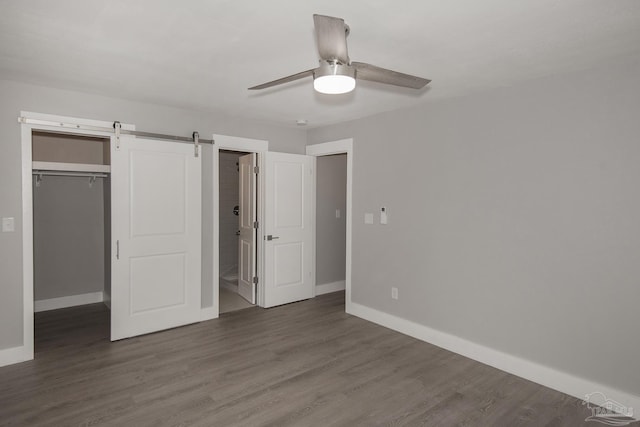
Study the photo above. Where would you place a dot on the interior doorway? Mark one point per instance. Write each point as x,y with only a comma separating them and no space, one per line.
331,224
71,211
232,297
227,257
343,146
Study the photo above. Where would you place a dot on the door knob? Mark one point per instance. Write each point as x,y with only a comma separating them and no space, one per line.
270,237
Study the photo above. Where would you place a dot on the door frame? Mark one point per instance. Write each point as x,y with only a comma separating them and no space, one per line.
342,146
246,145
25,352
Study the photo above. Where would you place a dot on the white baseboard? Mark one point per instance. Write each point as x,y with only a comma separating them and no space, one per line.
70,301
326,288
548,377
13,355
208,313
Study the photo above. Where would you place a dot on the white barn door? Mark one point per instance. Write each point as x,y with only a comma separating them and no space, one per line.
247,240
288,222
156,248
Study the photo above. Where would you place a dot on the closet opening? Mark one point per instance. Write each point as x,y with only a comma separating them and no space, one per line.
331,223
235,292
71,238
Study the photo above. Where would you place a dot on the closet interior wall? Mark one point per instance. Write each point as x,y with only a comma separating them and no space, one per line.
71,222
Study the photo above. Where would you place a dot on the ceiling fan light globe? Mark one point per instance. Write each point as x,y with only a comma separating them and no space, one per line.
334,84
334,78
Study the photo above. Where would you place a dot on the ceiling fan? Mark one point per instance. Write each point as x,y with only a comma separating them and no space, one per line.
336,73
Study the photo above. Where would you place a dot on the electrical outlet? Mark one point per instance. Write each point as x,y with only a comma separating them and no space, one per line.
8,225
368,218
394,292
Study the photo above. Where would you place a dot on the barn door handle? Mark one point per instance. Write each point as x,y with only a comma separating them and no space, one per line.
117,249
270,237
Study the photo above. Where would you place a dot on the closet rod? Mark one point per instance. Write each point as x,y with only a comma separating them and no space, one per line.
186,139
69,173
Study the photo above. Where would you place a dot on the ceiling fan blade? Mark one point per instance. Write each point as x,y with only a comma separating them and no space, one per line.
287,79
332,38
382,75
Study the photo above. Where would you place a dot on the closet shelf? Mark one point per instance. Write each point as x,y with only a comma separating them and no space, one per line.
70,167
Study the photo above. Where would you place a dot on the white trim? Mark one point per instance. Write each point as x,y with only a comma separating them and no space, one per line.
208,313
544,375
9,356
68,301
260,242
328,148
326,288
236,143
27,245
314,218
247,145
71,167
340,147
73,120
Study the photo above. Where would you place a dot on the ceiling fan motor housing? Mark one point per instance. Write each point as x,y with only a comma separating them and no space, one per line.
332,77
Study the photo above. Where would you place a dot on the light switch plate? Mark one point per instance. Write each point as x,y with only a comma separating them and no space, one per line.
337,213
383,215
368,218
8,225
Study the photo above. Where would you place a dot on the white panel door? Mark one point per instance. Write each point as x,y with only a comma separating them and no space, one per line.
155,221
247,241
288,252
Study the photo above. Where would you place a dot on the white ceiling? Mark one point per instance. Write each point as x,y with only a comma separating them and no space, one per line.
203,54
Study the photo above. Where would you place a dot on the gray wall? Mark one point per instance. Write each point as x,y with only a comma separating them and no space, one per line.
148,117
331,232
513,219
229,197
53,147
68,237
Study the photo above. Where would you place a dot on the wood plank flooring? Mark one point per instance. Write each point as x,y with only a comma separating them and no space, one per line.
303,364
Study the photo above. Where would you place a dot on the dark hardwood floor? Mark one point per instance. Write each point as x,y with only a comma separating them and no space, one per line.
303,364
